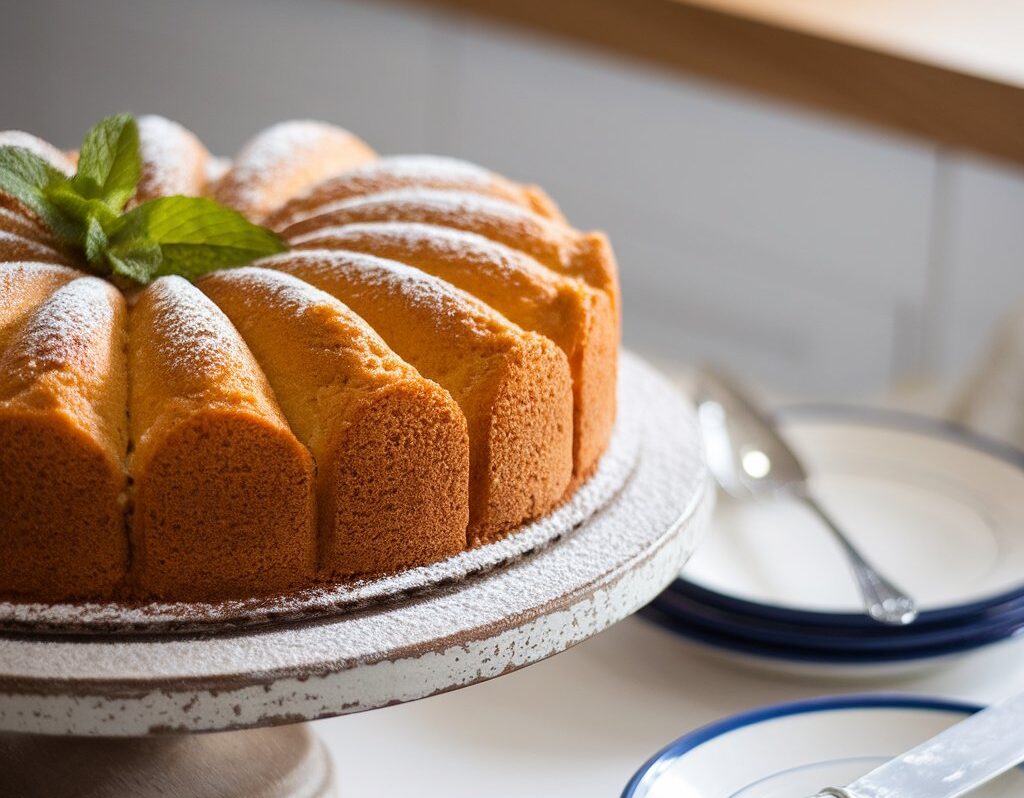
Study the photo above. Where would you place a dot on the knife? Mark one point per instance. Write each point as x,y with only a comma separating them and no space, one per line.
960,759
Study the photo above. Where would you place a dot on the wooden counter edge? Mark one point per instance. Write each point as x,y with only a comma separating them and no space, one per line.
950,108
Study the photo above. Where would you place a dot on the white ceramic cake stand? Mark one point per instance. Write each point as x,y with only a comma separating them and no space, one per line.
113,715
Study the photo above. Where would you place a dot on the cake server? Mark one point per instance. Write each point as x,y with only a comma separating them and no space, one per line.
952,763
749,459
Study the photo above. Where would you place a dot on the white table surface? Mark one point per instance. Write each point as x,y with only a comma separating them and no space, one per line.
581,723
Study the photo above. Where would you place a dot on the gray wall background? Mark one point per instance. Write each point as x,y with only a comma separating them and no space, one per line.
815,255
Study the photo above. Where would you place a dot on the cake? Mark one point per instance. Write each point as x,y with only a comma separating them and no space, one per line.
577,317
519,453
63,445
211,451
430,365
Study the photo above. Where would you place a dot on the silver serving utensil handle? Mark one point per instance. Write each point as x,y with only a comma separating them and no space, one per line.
883,601
737,435
952,763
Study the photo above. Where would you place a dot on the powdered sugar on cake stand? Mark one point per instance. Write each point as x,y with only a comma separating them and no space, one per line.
551,585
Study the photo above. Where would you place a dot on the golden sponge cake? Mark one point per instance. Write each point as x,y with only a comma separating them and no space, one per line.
580,319
413,171
24,287
15,222
514,387
432,365
15,247
174,161
285,160
63,441
222,490
552,243
391,447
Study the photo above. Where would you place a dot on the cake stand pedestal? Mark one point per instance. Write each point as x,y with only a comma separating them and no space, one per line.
103,716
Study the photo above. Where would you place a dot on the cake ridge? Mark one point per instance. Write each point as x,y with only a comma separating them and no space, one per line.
401,171
286,159
554,244
459,383
174,160
476,354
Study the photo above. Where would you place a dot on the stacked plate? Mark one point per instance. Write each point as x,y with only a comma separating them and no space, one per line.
936,509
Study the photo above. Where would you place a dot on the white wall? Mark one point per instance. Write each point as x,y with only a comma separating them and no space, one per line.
815,254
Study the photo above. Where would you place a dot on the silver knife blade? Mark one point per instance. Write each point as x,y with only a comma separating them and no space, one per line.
954,762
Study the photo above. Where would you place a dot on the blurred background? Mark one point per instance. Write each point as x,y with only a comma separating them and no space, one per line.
823,244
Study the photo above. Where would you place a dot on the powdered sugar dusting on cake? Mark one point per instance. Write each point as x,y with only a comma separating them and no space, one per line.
493,217
283,145
453,203
196,338
396,172
64,329
283,293
635,461
45,150
438,241
216,168
423,290
278,290
16,247
173,159
427,169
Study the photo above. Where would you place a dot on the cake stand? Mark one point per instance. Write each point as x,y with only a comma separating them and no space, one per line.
115,715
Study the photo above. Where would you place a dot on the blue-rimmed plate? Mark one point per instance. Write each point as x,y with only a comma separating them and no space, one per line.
893,640
815,662
938,509
793,750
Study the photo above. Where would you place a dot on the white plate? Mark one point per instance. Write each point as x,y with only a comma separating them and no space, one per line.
793,750
939,511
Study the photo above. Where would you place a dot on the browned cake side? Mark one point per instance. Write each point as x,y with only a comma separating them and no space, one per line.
64,432
284,160
413,171
514,387
222,490
580,319
551,242
15,248
391,447
16,222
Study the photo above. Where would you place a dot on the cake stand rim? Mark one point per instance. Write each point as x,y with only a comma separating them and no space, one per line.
619,585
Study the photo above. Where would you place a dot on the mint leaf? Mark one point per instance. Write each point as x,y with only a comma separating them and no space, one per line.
188,236
196,235
26,177
96,240
109,162
78,208
136,260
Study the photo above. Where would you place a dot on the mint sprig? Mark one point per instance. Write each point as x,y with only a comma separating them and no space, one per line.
109,162
188,236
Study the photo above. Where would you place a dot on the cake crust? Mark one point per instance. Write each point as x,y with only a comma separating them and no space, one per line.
412,171
63,427
578,318
391,447
587,256
222,491
431,365
513,387
285,160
